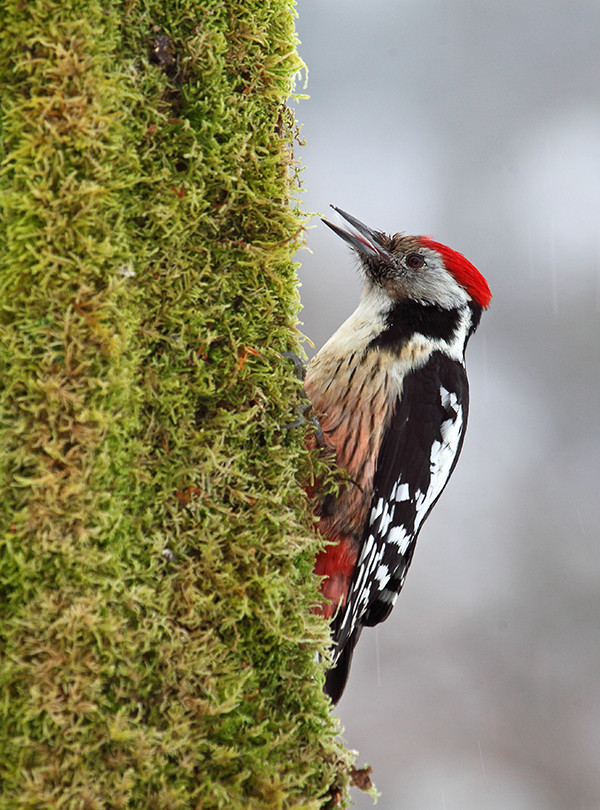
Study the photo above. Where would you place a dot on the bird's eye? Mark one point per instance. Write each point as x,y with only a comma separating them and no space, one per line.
415,261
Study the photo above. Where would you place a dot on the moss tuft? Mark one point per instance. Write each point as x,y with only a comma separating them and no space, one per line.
158,646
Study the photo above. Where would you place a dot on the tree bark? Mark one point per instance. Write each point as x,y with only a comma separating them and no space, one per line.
158,645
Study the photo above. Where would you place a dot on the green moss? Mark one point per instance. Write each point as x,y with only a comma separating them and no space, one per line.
147,287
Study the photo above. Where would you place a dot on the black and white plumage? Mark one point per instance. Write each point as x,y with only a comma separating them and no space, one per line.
391,394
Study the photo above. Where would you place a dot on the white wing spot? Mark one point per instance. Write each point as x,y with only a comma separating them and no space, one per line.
448,398
441,459
376,511
402,493
399,537
366,549
419,500
382,575
386,519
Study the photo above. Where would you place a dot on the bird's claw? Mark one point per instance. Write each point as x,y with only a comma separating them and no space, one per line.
303,407
299,365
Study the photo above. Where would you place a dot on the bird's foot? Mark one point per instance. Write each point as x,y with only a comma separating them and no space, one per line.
305,405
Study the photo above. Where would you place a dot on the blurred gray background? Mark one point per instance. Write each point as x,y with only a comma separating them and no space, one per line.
479,124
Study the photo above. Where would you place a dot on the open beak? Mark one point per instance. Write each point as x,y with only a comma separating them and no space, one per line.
358,236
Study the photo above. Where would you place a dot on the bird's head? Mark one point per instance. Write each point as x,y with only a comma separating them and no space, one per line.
413,267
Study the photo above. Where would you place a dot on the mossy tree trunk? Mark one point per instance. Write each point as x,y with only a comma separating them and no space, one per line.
157,644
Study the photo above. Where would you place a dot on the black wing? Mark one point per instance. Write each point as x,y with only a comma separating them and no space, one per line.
417,456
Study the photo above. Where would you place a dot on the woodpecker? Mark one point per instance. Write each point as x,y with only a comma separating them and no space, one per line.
391,395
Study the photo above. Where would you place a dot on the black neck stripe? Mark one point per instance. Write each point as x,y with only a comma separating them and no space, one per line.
407,317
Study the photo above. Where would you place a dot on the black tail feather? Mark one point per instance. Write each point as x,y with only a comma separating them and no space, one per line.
336,677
